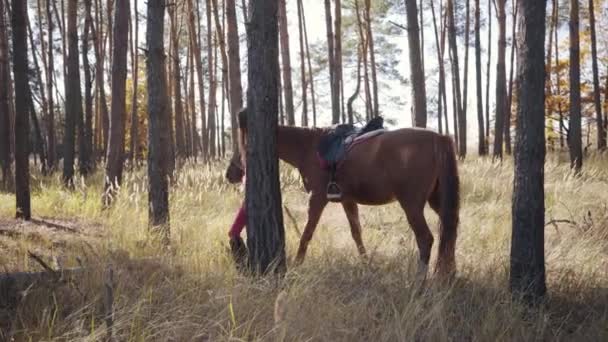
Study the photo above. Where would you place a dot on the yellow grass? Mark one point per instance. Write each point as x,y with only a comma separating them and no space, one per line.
194,293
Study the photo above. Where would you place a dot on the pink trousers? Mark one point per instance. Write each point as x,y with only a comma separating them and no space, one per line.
239,222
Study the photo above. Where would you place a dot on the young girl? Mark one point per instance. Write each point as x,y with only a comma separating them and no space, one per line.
237,246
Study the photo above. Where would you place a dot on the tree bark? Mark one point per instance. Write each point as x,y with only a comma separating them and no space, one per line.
159,120
135,150
73,97
355,94
527,276
557,79
303,80
265,231
102,104
50,119
5,120
20,71
116,145
335,111
286,59
488,71
194,15
575,141
462,123
418,86
178,109
310,75
501,80
234,70
338,71
439,49
87,163
363,38
212,82
372,58
601,134
509,107
465,81
481,143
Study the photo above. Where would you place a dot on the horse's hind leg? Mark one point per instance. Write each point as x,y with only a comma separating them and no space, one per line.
316,204
424,238
352,213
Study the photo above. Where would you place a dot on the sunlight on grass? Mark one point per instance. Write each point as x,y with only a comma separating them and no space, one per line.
194,293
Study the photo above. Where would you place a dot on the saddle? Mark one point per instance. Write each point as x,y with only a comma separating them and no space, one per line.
334,146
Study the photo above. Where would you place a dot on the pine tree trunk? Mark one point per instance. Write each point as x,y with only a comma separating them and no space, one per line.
507,132
418,87
601,134
355,94
527,275
366,86
465,81
159,120
48,75
286,59
195,42
310,75
212,82
73,110
39,140
462,123
303,80
234,69
265,231
5,120
575,141
372,58
440,67
116,145
501,80
88,92
549,96
135,151
102,104
488,71
338,71
50,119
178,110
20,71
557,79
481,143
335,116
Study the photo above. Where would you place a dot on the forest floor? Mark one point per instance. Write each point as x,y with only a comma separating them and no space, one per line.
193,292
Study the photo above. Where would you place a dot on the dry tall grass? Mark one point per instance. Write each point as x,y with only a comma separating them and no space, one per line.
194,293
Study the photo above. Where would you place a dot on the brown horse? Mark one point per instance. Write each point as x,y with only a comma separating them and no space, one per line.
411,166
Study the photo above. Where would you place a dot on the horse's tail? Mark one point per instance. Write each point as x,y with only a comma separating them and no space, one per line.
449,193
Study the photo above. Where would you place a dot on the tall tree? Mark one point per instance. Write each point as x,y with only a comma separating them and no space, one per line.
116,145
509,102
501,80
462,129
338,79
372,57
50,119
574,133
103,119
265,231
286,59
73,97
479,92
5,122
212,81
234,69
527,276
178,109
601,133
193,33
335,107
311,79
303,80
488,71
135,151
465,73
442,98
20,71
418,86
87,163
159,120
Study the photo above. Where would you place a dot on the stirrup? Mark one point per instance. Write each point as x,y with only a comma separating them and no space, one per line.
333,192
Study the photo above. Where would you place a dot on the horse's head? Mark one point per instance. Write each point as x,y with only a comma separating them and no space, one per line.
234,172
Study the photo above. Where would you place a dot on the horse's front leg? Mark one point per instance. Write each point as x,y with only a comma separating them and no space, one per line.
352,213
316,204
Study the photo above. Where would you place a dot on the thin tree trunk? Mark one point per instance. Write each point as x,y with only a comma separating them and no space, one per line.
549,97
335,116
116,145
39,140
363,38
234,70
158,123
212,83
527,273
87,164
355,94
465,82
265,231
601,134
135,151
462,123
219,36
439,63
50,119
286,59
372,58
178,110
102,104
510,96
22,171
48,86
557,79
338,71
303,80
310,75
488,71
480,125
501,80
195,41
418,87
5,120
574,133
192,94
